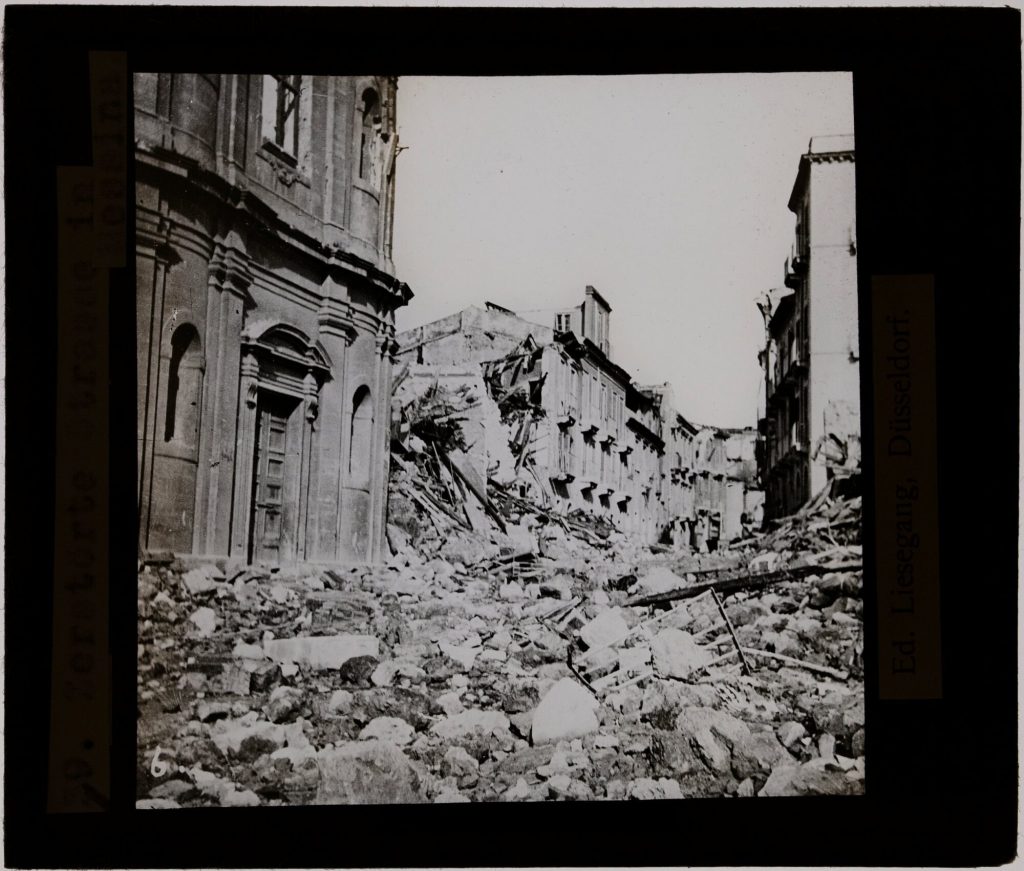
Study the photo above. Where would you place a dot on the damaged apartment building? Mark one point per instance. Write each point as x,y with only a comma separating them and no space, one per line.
551,413
266,298
709,480
811,429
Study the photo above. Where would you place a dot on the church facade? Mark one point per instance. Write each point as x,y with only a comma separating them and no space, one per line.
266,301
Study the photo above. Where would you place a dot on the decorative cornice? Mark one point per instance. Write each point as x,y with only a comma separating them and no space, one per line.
309,362
385,341
802,173
335,318
230,272
832,157
250,365
253,213
154,230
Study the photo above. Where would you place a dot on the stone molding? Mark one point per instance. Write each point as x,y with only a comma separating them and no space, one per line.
246,209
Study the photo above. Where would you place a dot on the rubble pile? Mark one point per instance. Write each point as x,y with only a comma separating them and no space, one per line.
441,504
505,653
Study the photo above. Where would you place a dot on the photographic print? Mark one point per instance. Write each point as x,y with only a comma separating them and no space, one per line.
498,438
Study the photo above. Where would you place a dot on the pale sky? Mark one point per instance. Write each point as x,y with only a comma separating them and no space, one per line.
667,193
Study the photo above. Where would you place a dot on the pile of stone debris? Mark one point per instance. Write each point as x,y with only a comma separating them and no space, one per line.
547,660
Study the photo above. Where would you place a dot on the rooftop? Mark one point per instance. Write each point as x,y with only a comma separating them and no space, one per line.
592,291
818,148
830,143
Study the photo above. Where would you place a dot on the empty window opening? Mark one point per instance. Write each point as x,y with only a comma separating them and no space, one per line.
371,120
281,112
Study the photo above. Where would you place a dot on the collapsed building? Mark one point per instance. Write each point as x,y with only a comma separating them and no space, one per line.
710,488
550,413
810,433
266,297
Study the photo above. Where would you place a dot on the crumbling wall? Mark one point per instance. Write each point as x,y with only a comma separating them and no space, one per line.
753,507
732,510
478,416
838,449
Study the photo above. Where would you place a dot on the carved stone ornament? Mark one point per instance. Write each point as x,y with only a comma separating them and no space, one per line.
285,172
311,388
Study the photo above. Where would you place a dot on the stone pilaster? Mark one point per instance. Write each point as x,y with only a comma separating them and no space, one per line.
229,298
245,453
151,388
378,459
307,473
153,243
336,334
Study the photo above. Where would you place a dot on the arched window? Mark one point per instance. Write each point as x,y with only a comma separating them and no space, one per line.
368,141
360,438
183,386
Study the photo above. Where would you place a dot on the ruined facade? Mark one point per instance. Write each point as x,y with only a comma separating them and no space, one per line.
727,497
812,422
597,445
265,313
710,493
597,441
709,489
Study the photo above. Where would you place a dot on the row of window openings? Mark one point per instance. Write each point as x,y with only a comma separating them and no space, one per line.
594,458
790,428
282,125
611,408
281,122
796,344
563,324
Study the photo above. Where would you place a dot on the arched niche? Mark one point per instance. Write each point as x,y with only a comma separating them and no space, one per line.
183,403
360,442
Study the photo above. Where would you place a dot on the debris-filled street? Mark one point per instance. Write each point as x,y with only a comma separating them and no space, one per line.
477,558
507,654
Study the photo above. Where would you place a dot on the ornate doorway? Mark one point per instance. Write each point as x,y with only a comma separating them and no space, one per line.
282,372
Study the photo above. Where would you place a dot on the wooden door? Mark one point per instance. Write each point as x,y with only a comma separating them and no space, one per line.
271,472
